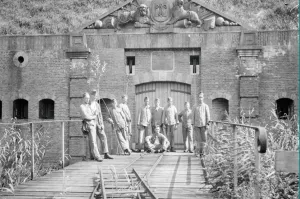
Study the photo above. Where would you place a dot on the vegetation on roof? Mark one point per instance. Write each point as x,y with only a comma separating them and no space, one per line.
62,16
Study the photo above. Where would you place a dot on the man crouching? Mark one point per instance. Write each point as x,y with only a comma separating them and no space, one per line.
157,142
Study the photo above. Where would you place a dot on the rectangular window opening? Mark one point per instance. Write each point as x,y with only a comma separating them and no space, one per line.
194,62
130,63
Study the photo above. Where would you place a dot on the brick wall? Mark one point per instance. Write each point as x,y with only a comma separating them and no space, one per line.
45,76
48,73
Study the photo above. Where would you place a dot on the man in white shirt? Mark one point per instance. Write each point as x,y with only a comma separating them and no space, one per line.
157,142
143,123
200,120
170,119
187,129
99,124
89,117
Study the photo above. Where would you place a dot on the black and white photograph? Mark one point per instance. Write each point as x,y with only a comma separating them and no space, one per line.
149,99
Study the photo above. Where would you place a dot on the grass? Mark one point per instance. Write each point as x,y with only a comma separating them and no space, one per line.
15,156
28,17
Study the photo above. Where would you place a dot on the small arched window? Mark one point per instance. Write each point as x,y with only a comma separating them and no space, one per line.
105,104
220,109
284,108
46,109
20,109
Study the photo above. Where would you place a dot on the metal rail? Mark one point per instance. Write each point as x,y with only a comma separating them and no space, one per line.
260,146
145,185
141,179
32,132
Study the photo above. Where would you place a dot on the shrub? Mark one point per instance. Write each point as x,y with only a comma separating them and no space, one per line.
15,156
282,135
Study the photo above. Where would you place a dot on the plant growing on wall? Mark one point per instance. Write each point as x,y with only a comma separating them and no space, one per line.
96,71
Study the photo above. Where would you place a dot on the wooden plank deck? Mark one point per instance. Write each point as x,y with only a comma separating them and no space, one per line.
177,175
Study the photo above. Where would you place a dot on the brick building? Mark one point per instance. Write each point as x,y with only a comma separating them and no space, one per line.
159,48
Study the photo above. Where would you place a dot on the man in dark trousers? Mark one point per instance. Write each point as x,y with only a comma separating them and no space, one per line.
156,116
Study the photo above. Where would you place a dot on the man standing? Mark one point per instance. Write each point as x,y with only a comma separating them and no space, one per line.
118,119
157,116
187,129
144,119
96,109
157,142
124,107
170,119
90,118
200,120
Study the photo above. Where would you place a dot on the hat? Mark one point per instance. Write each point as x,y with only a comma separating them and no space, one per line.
94,92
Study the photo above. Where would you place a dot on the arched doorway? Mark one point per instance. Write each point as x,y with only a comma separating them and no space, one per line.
180,92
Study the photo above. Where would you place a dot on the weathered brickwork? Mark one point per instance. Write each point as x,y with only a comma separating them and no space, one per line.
49,73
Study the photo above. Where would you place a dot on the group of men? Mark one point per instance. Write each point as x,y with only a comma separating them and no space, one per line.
163,121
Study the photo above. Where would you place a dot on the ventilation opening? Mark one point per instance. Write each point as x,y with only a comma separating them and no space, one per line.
46,109
284,108
20,109
130,63
21,59
194,62
220,109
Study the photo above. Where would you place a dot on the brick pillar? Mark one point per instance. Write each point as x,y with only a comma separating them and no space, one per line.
248,53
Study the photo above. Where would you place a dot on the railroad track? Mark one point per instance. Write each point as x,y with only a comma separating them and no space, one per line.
129,181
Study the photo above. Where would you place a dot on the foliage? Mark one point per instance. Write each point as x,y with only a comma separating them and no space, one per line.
15,156
63,16
261,14
48,17
97,70
282,135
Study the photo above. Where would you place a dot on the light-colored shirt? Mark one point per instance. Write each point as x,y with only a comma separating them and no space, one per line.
186,117
126,111
201,115
144,116
157,115
96,109
87,114
118,117
170,116
156,139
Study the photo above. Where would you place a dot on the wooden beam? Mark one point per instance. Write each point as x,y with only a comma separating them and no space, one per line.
287,161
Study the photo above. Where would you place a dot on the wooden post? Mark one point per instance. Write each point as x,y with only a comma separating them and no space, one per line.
235,169
62,144
257,166
32,150
212,128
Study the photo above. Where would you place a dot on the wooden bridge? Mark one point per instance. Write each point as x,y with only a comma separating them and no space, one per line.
168,175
